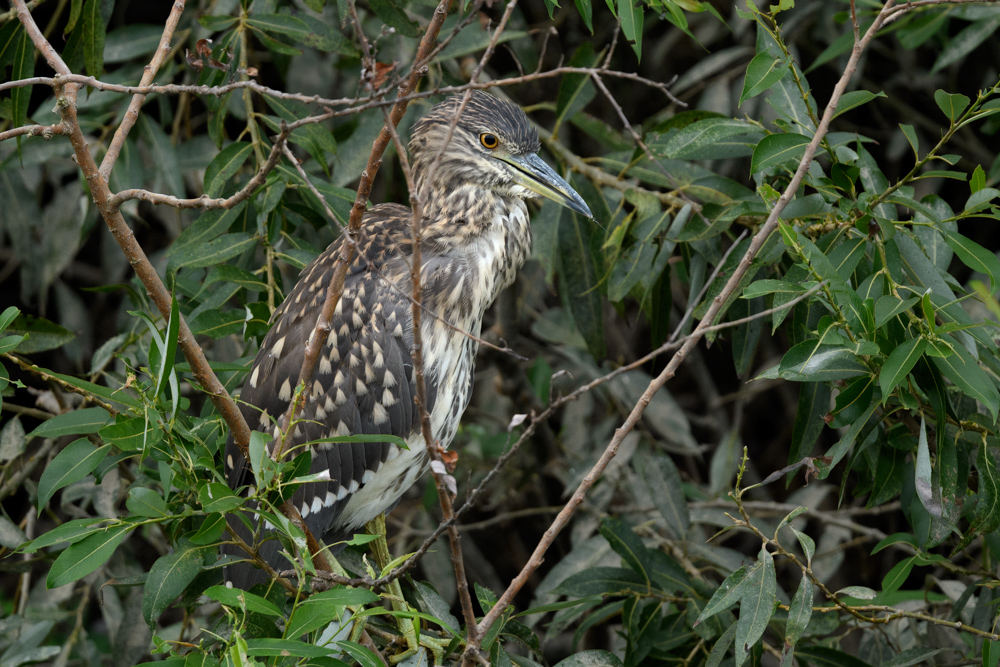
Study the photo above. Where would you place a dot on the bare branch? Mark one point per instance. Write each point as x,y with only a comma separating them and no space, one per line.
205,201
44,131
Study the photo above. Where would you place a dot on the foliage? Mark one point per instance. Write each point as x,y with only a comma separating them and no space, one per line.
879,288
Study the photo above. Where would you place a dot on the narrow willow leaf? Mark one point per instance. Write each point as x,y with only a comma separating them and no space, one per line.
630,15
225,165
143,501
899,364
799,613
85,556
757,605
975,256
664,483
168,578
324,607
77,460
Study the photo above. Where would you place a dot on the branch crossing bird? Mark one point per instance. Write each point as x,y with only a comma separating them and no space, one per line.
475,236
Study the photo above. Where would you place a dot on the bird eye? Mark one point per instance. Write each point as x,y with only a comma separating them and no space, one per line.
489,140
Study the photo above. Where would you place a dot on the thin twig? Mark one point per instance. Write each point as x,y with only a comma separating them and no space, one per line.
44,131
48,377
206,202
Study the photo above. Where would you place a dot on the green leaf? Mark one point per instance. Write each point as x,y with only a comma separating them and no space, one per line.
132,434
729,592
96,14
775,149
225,165
214,252
591,658
601,581
812,362
799,613
757,604
580,280
899,364
71,531
692,141
217,23
626,544
575,90
146,502
630,15
211,529
633,265
393,15
890,306
975,256
42,334
896,576
9,315
768,286
320,609
82,558
965,42
814,403
987,518
273,646
218,497
78,422
23,67
911,137
586,13
664,483
234,597
77,460
951,104
981,199
168,578
763,72
965,373
854,99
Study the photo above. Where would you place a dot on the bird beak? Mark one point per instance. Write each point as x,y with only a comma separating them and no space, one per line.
531,172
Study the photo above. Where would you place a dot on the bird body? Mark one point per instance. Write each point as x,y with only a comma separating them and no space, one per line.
475,236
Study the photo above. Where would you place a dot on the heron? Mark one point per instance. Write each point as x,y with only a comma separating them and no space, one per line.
475,237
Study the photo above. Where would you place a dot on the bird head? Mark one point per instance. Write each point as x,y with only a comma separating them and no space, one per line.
493,146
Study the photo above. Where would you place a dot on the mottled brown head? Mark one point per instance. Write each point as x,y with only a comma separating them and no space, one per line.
494,146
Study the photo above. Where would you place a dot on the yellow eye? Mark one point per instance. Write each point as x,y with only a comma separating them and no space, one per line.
489,140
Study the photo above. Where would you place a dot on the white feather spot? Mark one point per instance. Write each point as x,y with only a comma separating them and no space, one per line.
368,476
356,321
305,510
379,415
331,498
342,429
325,367
317,388
253,377
359,388
285,393
341,398
389,379
279,345
388,399
229,460
342,492
353,487
317,504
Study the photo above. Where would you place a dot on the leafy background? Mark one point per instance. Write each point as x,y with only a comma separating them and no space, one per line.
879,385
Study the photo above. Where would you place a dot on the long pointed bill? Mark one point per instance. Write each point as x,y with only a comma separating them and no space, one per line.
531,172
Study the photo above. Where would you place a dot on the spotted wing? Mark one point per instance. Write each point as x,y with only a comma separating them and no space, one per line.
363,383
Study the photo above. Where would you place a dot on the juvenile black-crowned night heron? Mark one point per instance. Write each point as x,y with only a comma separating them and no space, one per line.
475,238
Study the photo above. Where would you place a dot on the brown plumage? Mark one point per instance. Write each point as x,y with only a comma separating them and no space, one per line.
475,237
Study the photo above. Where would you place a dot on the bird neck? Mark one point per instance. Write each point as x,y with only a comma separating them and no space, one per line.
476,236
